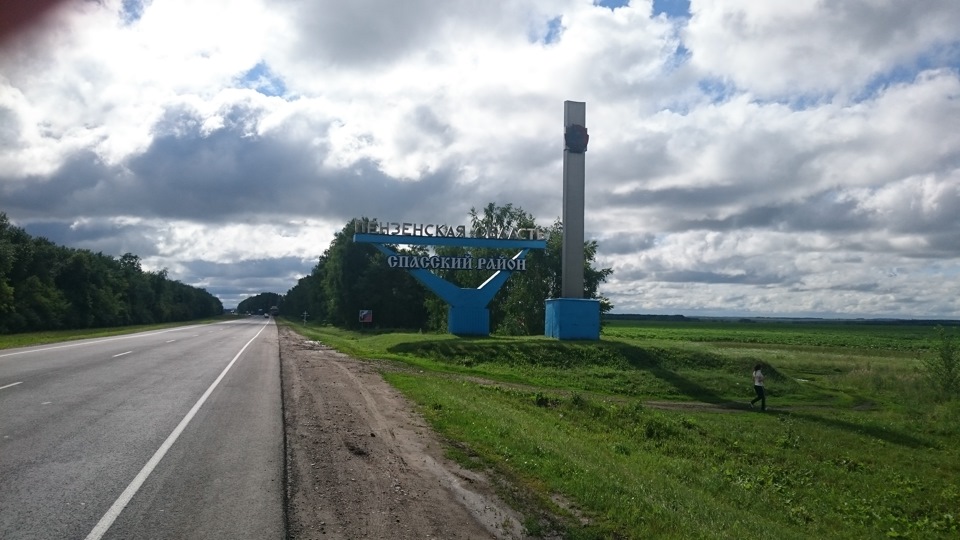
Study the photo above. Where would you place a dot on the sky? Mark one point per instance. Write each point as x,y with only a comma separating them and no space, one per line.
781,159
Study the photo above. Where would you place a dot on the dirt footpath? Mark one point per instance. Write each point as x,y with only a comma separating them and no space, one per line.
362,464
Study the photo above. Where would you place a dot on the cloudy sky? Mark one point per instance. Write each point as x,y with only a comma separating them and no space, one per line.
795,158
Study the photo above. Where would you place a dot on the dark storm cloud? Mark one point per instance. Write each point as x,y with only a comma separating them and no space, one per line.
682,208
630,274
76,184
429,123
939,213
234,174
748,172
249,271
224,174
625,244
935,220
235,281
822,212
944,244
857,287
696,276
231,173
98,235
687,198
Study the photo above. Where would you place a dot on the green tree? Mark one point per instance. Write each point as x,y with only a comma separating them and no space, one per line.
395,296
44,286
40,306
162,295
85,282
6,264
307,296
346,262
261,303
354,276
491,219
138,295
519,303
297,299
31,300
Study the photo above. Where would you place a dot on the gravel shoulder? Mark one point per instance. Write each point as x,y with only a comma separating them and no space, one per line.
361,463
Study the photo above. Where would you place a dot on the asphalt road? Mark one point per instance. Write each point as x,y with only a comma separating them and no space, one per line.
170,434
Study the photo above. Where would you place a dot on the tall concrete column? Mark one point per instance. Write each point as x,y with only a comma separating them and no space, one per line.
572,316
574,173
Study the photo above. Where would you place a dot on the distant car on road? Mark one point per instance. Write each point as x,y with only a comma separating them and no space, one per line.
266,315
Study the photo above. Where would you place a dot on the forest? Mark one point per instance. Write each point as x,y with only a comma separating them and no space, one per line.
44,286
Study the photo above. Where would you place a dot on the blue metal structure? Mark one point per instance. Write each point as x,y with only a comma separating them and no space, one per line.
468,314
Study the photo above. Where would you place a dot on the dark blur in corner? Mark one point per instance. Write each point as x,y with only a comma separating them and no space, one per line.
18,15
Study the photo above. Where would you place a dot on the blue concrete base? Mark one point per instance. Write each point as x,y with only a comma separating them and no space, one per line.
573,318
468,321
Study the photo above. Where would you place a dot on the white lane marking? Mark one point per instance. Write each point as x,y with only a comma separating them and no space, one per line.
122,354
82,343
46,403
128,336
11,384
114,511
170,340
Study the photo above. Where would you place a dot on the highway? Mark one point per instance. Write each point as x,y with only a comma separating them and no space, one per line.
172,434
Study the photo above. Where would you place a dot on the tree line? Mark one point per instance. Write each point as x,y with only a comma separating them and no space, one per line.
44,286
352,276
261,303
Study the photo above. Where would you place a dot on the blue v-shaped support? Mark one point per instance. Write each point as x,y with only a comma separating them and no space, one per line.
468,314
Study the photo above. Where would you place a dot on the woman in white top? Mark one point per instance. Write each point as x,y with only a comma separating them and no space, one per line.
758,387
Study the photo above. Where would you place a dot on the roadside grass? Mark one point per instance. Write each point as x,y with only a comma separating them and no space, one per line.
9,341
646,434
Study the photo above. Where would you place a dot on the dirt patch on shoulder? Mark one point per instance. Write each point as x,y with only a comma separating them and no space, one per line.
362,464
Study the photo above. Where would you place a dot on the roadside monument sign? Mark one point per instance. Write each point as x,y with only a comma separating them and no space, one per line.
468,314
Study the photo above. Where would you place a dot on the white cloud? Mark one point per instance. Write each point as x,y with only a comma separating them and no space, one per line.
783,49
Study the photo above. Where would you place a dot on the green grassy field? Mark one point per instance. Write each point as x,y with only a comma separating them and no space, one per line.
648,433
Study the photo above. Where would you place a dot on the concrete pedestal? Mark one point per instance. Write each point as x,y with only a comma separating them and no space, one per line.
573,318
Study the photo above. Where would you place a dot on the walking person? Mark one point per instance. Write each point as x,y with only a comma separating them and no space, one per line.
758,387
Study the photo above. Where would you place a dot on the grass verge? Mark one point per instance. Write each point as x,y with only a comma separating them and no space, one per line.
645,434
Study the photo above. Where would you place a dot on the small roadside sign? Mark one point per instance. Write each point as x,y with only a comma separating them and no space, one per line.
366,315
